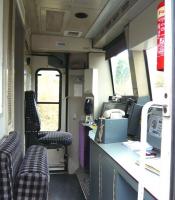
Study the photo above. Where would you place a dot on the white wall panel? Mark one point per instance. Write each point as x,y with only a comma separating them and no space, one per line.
104,83
144,26
63,44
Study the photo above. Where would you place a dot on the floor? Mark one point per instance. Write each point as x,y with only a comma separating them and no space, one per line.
65,187
83,177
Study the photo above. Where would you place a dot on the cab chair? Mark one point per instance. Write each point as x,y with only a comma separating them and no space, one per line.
49,139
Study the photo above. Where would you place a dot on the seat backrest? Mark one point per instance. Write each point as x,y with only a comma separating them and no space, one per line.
32,121
11,156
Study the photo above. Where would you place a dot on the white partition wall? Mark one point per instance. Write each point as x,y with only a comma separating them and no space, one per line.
103,86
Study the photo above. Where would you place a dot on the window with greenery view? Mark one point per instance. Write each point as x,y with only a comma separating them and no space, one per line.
121,74
48,84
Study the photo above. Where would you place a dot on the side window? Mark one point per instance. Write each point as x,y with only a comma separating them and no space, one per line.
48,90
121,74
156,77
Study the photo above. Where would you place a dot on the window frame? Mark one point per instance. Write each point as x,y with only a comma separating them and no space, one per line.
60,92
112,81
147,74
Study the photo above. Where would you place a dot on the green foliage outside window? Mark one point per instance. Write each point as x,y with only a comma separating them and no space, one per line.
121,74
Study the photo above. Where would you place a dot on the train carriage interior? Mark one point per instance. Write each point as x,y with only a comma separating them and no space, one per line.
86,99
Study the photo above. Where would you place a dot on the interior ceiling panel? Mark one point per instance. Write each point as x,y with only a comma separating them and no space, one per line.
81,25
104,18
32,21
56,16
93,4
53,3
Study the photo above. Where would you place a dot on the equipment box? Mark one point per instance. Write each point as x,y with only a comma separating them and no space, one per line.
111,130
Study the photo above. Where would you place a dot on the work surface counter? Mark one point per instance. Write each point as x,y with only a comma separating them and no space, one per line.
128,159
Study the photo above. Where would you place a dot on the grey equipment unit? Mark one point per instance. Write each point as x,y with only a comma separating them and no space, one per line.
111,130
155,127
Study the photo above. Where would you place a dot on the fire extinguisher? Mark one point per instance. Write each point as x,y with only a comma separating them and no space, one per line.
160,36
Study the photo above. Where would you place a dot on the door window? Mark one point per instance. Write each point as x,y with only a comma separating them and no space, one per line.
48,90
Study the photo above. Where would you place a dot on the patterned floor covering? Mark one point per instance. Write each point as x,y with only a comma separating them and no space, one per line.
83,177
65,187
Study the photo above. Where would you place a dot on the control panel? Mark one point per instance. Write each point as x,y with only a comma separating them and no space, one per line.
155,127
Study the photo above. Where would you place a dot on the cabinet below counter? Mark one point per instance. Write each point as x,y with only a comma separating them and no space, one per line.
114,174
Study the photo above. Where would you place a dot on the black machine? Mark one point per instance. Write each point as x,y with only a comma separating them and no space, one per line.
134,121
123,103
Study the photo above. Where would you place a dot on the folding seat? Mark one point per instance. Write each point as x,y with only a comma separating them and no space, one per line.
49,139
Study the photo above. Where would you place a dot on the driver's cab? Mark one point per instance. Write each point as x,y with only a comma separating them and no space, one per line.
90,82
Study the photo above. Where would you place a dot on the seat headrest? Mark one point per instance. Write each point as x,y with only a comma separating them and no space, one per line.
30,94
32,121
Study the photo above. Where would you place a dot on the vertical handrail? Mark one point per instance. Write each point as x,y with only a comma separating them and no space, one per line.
144,127
144,130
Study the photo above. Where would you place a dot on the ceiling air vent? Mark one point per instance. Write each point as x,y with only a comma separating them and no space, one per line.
72,33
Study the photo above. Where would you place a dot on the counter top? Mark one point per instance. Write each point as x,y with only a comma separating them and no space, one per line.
127,158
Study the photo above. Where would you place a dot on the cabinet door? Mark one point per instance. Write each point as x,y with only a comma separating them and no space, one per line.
81,144
94,171
148,196
123,189
107,178
84,146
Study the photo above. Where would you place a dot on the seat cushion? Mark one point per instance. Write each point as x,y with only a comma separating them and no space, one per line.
33,176
55,138
10,159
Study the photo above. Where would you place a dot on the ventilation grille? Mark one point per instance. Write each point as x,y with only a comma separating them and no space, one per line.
54,21
72,33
